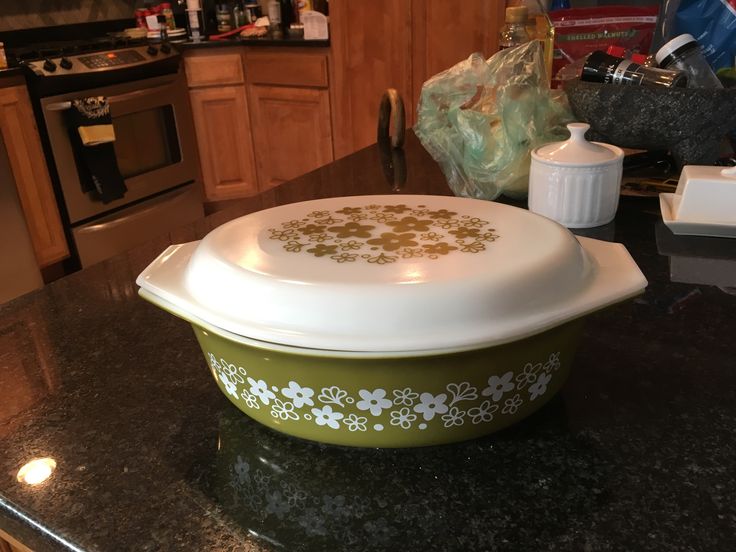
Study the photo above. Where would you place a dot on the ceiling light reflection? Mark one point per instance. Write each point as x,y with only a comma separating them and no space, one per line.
36,471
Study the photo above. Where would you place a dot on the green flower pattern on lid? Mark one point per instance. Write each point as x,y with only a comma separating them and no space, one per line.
383,234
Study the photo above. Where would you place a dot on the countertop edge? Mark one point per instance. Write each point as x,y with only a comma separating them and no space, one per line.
254,42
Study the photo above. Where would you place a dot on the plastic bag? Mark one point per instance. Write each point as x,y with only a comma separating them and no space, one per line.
480,120
713,24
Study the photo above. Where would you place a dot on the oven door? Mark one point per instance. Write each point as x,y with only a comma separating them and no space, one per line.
154,141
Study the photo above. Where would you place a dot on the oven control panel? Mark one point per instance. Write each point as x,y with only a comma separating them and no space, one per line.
101,61
111,59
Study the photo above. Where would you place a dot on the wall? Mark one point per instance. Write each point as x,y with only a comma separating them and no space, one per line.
29,14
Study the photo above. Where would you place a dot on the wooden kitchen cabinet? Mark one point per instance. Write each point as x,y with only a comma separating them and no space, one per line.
398,44
444,33
11,545
292,132
222,123
32,180
308,106
290,112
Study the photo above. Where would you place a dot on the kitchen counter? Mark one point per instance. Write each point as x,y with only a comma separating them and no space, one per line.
636,453
287,41
11,76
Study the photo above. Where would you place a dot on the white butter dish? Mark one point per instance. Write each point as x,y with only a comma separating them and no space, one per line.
704,203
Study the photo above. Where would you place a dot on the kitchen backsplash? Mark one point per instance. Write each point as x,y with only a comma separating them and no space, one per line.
30,14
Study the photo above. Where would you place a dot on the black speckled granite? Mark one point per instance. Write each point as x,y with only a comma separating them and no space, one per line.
11,72
285,41
690,122
638,452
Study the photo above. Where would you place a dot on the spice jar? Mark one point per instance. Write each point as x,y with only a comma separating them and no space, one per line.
604,68
684,53
168,13
224,20
140,18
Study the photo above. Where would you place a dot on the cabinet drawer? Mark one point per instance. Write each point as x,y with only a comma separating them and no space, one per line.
211,69
287,69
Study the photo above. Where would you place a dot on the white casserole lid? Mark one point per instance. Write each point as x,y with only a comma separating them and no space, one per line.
391,273
577,151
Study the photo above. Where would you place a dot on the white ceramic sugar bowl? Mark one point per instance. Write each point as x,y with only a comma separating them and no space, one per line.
576,182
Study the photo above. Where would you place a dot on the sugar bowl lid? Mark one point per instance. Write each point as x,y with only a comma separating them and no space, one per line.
577,151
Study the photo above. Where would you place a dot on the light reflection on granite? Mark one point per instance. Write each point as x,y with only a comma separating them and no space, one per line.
636,453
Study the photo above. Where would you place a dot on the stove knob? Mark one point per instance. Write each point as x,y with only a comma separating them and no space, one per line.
165,48
152,50
49,66
65,63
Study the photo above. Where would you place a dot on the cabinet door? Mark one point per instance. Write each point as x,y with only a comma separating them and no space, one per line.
32,180
222,126
371,51
292,132
443,34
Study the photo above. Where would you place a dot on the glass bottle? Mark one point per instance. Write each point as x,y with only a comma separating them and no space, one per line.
540,27
224,19
514,31
604,68
238,15
684,53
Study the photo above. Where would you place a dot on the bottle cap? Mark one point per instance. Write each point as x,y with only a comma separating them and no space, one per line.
517,14
618,51
673,48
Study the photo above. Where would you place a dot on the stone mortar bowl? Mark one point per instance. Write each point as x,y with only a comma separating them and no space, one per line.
689,122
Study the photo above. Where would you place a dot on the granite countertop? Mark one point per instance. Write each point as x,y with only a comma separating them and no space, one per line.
268,40
8,72
636,453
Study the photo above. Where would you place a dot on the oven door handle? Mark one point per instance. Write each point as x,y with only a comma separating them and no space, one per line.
144,92
63,106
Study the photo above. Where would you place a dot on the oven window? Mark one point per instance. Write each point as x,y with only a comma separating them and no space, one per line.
146,141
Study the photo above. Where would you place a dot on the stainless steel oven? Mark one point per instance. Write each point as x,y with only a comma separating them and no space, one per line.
155,148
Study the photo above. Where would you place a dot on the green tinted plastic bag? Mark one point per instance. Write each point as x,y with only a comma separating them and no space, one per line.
481,118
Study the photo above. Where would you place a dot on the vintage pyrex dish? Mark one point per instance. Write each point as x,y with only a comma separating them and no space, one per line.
704,203
576,182
389,320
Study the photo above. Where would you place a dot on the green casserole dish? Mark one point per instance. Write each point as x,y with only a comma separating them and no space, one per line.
389,321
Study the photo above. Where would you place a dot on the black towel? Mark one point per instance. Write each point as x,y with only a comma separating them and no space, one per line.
96,164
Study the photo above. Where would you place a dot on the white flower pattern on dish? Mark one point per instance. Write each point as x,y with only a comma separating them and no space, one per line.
250,400
462,392
284,401
510,406
230,386
299,395
283,410
553,363
539,387
498,386
333,395
528,375
405,397
374,401
429,405
325,416
355,422
260,389
482,413
455,417
402,417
